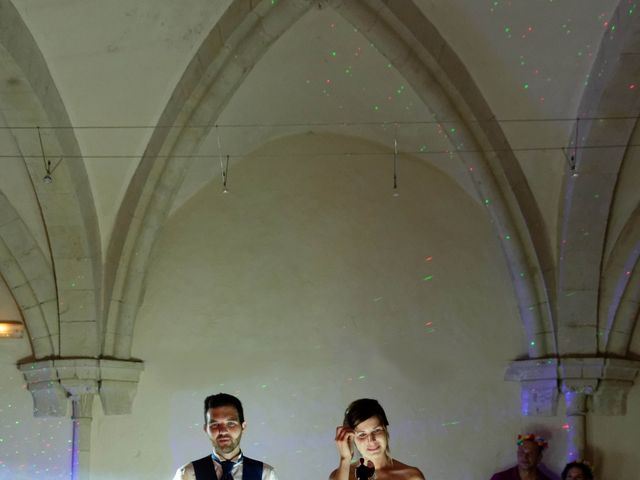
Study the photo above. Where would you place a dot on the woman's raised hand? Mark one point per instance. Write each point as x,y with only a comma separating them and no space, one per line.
344,442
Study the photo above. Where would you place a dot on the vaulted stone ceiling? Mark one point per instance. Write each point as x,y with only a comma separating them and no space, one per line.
530,107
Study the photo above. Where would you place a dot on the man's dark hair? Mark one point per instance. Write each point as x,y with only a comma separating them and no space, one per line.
584,468
362,409
223,400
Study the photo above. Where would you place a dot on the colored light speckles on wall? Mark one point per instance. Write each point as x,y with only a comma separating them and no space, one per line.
495,4
351,61
29,447
429,326
32,451
356,378
451,423
428,277
535,80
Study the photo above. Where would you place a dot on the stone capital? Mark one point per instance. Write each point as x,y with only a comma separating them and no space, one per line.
538,385
118,385
53,382
602,383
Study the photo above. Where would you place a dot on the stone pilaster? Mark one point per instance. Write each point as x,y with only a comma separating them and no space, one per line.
605,383
588,384
52,382
118,385
49,397
538,385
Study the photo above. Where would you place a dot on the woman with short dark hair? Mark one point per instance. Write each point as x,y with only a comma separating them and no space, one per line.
365,427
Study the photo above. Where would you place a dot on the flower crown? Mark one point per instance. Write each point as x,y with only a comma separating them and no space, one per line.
530,437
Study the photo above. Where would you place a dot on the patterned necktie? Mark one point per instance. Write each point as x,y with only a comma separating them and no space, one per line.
227,466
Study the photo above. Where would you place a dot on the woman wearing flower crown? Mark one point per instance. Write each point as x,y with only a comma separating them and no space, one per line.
365,425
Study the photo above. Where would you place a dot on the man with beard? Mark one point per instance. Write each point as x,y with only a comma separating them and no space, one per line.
224,425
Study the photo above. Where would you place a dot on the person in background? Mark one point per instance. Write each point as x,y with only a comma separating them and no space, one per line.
365,426
578,470
224,425
364,472
530,448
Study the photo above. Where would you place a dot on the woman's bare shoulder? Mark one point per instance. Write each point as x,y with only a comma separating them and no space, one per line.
407,472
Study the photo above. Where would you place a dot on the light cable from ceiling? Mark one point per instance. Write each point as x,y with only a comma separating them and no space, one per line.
48,178
395,163
318,124
224,169
574,153
419,153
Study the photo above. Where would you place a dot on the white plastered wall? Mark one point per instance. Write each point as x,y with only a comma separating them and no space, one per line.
303,289
307,286
30,447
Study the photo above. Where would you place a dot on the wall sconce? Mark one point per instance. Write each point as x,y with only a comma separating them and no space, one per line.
11,329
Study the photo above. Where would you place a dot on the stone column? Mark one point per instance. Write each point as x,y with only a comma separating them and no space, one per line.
81,406
576,428
79,377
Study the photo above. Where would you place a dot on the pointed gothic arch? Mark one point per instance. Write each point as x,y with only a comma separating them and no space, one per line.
407,38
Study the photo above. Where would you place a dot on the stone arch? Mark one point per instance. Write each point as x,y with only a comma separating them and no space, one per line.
440,78
585,319
406,37
68,211
238,40
620,290
28,275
